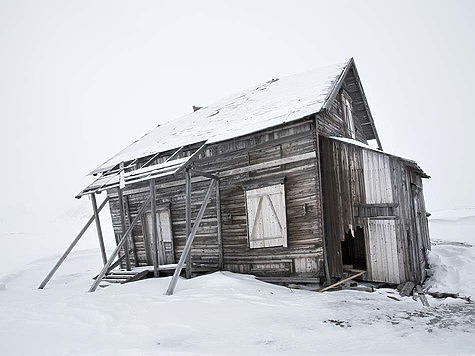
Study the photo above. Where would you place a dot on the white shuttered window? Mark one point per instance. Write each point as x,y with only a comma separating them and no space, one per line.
266,216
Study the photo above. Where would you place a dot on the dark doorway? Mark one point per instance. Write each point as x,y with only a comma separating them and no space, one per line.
353,251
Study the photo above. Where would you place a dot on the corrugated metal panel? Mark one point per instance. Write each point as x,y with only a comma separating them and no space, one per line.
383,256
377,177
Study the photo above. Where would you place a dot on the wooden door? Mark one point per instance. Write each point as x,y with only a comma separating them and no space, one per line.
165,237
383,256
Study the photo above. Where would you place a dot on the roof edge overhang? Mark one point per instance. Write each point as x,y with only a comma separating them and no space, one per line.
362,145
120,179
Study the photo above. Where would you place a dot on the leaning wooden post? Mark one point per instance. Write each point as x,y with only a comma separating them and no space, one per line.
129,221
220,236
122,223
71,246
189,241
98,228
153,209
188,217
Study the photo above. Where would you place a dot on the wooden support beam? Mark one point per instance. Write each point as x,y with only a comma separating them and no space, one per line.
119,246
98,228
133,248
220,236
204,174
122,224
176,153
318,162
189,241
112,176
71,246
343,281
188,217
156,261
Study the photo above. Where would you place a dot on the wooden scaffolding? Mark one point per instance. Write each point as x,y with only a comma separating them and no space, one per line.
118,179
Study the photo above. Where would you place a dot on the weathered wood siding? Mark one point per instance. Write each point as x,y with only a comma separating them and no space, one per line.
374,191
304,251
332,121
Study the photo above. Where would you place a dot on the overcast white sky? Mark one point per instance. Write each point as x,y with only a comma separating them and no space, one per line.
79,80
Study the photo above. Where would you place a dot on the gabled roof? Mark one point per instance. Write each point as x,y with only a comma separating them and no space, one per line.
272,103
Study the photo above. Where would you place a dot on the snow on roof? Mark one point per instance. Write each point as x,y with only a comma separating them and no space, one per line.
272,103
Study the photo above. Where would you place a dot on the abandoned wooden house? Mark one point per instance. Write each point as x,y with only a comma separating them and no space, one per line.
277,181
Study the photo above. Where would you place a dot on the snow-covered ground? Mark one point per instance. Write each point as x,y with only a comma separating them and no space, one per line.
225,313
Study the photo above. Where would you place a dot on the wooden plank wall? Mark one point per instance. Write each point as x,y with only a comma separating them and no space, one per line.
353,196
332,122
304,252
343,189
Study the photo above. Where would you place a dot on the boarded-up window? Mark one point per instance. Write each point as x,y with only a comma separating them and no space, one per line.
266,216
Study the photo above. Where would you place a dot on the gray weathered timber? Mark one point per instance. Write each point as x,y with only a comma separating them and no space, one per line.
128,222
71,246
119,246
343,281
189,241
123,228
316,145
220,236
98,228
366,193
153,209
188,218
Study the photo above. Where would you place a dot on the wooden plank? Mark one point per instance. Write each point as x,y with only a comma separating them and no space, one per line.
156,261
71,246
343,281
129,221
189,241
319,187
137,277
220,236
188,218
122,224
204,174
268,164
98,228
